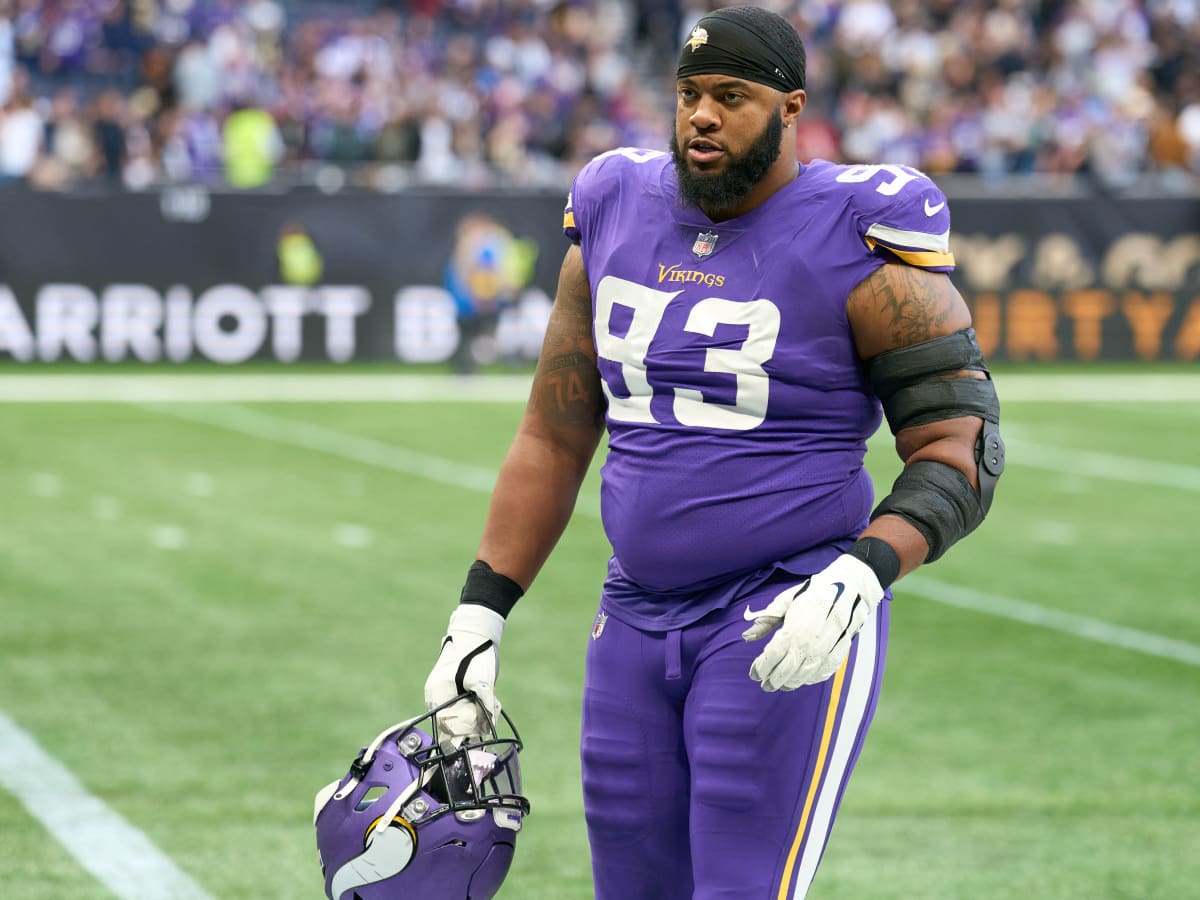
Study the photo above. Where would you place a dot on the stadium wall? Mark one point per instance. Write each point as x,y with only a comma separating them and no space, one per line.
185,274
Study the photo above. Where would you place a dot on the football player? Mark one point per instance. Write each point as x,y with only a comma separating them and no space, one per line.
740,324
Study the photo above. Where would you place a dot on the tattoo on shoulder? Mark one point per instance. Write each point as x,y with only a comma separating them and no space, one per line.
913,305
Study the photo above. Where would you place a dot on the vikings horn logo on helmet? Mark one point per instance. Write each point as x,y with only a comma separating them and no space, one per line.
387,851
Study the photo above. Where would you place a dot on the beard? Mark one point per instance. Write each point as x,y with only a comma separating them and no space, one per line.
729,187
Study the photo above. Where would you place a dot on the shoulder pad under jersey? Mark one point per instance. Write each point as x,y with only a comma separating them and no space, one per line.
624,168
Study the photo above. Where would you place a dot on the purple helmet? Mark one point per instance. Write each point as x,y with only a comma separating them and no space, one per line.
417,817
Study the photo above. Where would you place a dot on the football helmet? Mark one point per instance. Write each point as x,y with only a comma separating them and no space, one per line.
420,817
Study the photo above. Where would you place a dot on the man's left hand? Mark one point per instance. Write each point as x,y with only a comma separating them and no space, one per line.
816,620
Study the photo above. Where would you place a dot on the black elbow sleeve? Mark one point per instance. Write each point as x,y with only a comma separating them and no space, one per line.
938,501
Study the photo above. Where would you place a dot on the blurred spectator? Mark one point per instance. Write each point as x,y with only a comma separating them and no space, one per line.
20,131
197,80
7,49
68,146
251,147
110,124
1188,124
479,92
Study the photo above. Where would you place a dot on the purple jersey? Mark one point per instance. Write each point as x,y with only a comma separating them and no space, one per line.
738,409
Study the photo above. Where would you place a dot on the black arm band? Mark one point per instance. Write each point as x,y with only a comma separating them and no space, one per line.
880,558
937,500
489,588
919,384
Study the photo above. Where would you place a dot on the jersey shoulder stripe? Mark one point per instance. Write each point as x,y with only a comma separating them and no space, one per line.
917,248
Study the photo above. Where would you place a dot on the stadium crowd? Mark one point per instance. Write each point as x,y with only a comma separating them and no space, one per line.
485,92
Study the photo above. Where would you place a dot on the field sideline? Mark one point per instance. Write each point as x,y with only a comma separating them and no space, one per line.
1037,732
349,387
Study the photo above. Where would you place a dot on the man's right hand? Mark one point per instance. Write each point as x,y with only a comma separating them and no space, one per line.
468,662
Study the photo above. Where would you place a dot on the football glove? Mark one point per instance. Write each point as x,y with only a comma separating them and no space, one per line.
816,621
468,662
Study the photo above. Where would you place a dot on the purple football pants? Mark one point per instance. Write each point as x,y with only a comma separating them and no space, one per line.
699,784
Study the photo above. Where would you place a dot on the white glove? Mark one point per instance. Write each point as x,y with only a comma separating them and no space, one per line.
817,619
468,662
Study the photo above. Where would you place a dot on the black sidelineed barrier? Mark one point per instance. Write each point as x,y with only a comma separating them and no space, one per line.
186,275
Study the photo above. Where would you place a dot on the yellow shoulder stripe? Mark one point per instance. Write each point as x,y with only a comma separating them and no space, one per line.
926,259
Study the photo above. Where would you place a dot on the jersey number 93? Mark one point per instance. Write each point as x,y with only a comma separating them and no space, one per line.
630,348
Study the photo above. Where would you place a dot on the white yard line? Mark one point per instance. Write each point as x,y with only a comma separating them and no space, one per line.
284,387
1077,463
442,471
356,448
1084,627
18,385
367,451
118,855
1183,387
1109,466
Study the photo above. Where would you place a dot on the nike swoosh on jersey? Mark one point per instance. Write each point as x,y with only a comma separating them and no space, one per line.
750,616
933,210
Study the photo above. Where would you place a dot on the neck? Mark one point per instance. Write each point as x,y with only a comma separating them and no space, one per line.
780,175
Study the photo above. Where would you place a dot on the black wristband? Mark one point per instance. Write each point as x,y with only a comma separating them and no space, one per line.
879,556
489,588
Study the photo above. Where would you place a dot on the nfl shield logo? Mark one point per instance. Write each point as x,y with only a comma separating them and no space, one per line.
598,625
704,243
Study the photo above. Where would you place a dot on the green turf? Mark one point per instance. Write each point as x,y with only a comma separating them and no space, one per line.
204,626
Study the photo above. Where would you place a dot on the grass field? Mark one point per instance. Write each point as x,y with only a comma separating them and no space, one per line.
206,608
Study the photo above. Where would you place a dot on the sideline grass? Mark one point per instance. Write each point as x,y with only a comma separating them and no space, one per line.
204,626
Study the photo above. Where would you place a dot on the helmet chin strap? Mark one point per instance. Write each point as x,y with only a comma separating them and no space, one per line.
393,810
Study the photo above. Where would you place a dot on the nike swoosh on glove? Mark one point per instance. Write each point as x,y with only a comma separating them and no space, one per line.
468,662
816,621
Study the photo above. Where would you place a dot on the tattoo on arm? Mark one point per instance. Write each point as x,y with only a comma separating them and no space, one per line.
914,308
568,360
899,305
566,388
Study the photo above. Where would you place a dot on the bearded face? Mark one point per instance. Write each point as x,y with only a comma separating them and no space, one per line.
726,186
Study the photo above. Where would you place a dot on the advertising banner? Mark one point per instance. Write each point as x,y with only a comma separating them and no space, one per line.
425,276
1081,278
